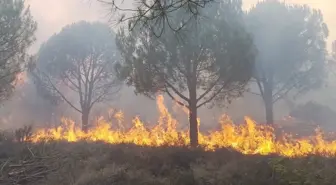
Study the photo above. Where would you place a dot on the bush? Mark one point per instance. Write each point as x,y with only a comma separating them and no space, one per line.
23,134
314,112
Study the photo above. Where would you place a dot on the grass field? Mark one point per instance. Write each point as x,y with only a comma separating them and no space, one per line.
82,163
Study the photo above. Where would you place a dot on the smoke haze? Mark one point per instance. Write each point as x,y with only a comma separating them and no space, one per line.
52,15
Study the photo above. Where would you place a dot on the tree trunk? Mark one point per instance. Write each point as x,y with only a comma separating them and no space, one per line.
268,101
85,120
193,133
269,113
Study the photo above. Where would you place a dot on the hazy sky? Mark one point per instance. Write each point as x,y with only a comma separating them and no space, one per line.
52,15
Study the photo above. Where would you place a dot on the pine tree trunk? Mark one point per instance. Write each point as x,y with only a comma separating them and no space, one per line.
193,133
268,101
193,125
85,120
269,113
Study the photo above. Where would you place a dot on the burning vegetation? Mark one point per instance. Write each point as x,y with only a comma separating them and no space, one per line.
230,53
111,153
248,138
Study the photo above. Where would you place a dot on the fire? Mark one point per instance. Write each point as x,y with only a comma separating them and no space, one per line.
248,138
20,78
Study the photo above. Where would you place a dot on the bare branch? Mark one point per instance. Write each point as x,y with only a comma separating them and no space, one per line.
254,93
282,95
157,11
60,93
213,95
208,90
105,93
176,91
176,100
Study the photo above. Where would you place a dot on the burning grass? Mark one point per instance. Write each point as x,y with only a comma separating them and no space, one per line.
248,138
248,154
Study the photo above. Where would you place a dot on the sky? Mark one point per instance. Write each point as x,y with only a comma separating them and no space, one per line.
52,15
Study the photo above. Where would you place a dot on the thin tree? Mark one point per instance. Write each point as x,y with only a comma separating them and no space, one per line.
291,42
333,50
211,64
332,59
80,59
17,29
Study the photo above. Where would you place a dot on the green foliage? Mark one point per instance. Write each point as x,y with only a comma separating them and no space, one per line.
17,29
292,47
314,112
291,40
156,15
211,63
79,59
76,42
215,57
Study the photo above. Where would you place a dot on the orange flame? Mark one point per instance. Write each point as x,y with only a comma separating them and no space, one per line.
20,79
249,138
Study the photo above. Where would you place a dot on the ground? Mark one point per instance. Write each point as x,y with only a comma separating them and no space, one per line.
84,163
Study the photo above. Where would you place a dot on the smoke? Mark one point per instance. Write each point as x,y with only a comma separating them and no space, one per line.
26,107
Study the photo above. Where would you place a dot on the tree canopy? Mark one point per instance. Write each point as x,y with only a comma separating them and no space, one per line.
17,29
80,59
212,63
156,15
291,42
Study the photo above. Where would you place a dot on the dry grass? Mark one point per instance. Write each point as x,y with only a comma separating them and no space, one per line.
85,163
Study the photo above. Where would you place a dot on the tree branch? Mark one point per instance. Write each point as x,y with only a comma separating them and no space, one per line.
282,95
176,100
105,92
260,88
176,91
159,10
61,94
208,90
213,96
254,93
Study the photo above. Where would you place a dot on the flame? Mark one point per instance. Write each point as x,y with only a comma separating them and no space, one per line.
20,79
248,138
